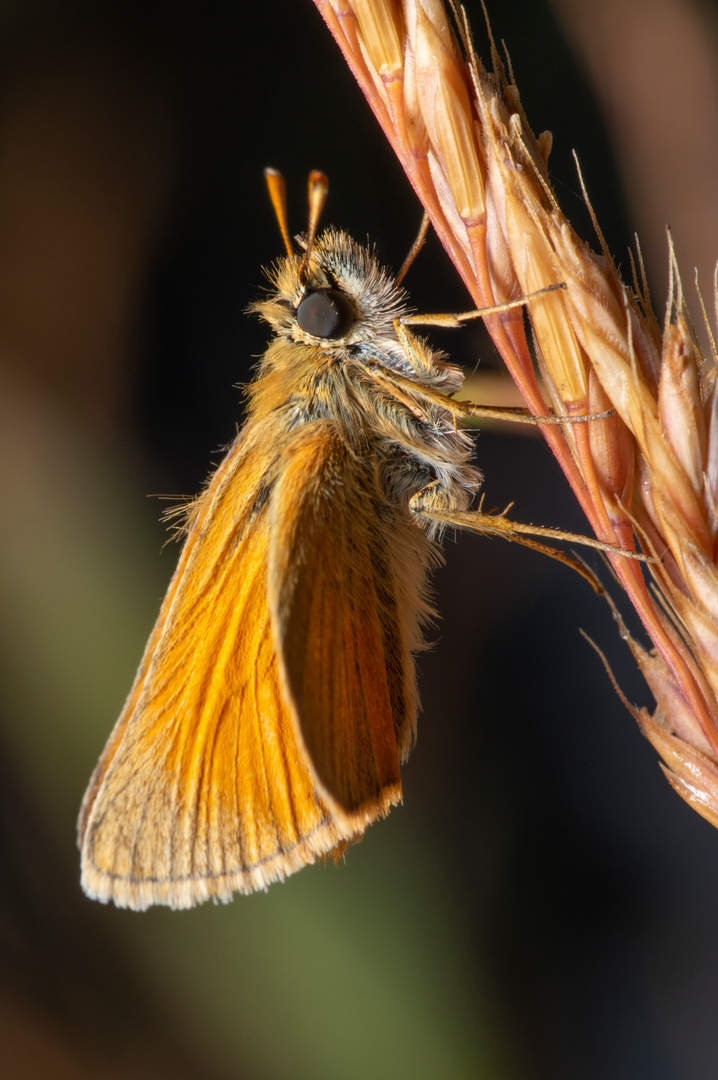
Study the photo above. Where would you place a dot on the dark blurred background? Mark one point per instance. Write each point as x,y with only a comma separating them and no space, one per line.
543,904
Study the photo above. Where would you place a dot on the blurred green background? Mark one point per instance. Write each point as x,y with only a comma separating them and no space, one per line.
542,905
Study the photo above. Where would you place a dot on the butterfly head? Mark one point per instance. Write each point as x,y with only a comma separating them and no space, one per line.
339,299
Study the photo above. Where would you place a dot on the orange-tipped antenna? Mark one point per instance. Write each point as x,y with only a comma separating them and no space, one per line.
318,191
278,194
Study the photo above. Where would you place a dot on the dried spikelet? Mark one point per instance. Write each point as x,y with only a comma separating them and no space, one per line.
445,107
463,138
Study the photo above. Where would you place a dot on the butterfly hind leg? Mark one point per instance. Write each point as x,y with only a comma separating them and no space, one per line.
433,507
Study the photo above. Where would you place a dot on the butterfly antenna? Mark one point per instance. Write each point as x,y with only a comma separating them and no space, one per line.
318,191
278,194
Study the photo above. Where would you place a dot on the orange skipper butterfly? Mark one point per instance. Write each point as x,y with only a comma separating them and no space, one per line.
277,697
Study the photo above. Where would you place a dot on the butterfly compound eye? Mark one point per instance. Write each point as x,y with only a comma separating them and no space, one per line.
325,314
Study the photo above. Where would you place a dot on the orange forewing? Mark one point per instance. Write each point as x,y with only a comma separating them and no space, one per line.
217,778
202,790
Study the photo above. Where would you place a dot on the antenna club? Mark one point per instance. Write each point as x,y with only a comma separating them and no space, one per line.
278,194
319,179
318,189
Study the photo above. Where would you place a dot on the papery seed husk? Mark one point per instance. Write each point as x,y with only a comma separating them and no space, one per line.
680,406
672,705
694,775
710,494
448,117
612,448
381,32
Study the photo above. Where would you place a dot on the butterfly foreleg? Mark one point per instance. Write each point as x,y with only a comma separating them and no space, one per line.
421,358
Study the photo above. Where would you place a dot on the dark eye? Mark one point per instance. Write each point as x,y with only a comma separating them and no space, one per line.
325,314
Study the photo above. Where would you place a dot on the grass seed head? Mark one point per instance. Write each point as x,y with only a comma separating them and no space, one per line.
484,180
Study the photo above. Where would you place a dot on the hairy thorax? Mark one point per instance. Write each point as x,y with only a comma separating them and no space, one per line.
421,457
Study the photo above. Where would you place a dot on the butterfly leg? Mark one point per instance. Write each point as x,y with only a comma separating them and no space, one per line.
441,381
430,506
424,360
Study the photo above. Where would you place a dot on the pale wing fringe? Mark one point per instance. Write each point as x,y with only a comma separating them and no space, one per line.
461,135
